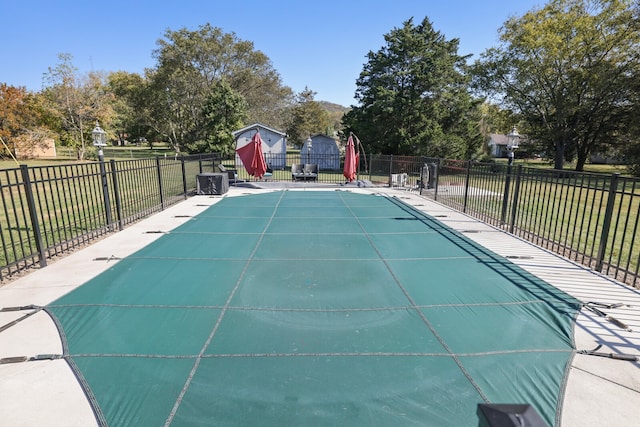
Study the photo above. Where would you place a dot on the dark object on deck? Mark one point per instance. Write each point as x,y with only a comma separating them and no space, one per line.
212,183
508,415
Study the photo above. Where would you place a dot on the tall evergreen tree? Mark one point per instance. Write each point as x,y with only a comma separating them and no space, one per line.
224,112
413,96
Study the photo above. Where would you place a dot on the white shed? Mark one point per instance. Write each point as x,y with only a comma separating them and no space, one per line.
324,152
498,145
274,144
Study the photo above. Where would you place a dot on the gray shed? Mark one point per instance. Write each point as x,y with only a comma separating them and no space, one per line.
324,152
274,144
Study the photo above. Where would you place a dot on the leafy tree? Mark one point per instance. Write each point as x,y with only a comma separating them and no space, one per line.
568,69
413,96
307,117
630,138
189,66
129,121
77,102
225,111
19,113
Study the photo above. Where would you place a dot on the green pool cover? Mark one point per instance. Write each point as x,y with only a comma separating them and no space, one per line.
318,308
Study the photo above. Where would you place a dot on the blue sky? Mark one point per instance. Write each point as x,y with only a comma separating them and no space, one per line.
319,44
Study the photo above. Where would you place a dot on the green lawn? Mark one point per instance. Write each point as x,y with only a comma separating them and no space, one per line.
68,155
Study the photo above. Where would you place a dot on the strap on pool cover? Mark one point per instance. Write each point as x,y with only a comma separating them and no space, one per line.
20,359
594,352
591,306
35,309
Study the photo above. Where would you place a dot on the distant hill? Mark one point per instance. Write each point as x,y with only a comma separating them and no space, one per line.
336,111
333,108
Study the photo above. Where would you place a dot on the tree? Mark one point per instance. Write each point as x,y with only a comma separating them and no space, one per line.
129,121
568,69
413,96
630,138
189,66
77,102
225,111
16,115
307,117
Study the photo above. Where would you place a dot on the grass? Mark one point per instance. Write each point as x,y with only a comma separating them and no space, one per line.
68,155
589,167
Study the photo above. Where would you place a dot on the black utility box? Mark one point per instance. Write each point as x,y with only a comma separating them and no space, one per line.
212,183
508,415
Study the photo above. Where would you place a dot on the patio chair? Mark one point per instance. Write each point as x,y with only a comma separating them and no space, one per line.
311,171
233,174
297,172
399,179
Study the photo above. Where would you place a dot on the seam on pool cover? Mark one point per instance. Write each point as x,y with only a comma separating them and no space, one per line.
305,310
187,384
426,321
563,385
317,354
95,407
567,370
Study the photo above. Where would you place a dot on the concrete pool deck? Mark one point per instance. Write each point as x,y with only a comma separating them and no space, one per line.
600,390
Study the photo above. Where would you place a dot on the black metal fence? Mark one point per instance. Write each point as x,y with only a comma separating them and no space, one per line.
592,219
49,210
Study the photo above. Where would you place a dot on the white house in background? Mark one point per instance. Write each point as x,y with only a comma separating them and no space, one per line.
274,144
498,144
324,152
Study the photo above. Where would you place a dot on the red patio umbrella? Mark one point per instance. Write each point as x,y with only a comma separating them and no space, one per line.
252,157
350,161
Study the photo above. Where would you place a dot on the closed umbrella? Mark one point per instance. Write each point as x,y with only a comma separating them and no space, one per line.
252,157
350,161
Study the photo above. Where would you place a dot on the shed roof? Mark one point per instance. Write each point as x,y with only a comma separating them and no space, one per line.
257,125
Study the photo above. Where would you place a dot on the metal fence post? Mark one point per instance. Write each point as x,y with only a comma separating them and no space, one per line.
436,180
184,176
514,206
116,193
505,198
466,187
37,234
158,168
105,192
606,225
421,183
